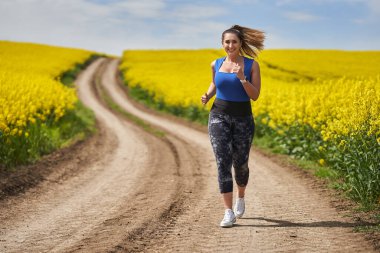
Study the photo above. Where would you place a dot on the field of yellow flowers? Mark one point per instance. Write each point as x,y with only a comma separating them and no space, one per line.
32,98
320,105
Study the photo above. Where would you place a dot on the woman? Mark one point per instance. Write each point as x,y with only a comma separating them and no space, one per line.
236,80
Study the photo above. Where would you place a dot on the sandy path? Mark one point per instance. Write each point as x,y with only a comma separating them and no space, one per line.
160,195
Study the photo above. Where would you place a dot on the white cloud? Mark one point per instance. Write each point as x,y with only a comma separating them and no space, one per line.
373,15
140,8
274,40
196,12
190,33
242,1
374,6
284,2
360,21
301,16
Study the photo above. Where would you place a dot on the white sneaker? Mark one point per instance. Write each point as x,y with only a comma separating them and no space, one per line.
229,219
239,207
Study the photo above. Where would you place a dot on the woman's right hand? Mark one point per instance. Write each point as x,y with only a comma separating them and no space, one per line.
205,99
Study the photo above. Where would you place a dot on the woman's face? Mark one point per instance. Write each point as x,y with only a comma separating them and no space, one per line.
231,44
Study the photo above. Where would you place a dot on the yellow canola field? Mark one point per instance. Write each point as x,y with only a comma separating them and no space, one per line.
29,89
341,107
335,92
177,76
306,65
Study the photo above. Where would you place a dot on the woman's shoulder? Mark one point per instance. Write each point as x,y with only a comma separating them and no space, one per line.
213,64
217,61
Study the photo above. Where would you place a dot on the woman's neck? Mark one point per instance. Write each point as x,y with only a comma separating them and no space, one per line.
233,59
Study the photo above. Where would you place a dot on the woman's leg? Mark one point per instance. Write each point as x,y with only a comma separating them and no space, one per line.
219,127
227,200
241,191
242,136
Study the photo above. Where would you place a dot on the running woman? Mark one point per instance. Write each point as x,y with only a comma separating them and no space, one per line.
235,81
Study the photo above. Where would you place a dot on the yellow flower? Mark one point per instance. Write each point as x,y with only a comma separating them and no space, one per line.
342,143
29,85
14,131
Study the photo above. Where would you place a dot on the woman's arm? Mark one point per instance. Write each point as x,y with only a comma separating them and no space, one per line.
211,89
253,88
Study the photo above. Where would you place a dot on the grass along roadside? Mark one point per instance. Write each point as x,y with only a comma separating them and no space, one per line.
190,113
106,98
49,135
68,77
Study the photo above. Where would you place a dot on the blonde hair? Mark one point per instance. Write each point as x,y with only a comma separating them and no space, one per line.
252,40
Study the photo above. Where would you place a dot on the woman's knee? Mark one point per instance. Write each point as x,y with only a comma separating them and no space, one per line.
241,174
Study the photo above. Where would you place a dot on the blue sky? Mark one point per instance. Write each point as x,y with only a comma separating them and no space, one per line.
112,26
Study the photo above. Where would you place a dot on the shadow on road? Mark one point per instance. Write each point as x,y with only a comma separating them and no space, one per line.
284,223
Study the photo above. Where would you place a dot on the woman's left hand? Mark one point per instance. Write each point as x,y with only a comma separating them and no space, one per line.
239,71
205,99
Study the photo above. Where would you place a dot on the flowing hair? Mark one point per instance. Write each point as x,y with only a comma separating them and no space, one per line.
252,40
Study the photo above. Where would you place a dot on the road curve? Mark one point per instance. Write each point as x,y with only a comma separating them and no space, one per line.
111,200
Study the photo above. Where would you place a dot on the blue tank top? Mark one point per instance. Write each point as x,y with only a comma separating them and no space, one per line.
228,86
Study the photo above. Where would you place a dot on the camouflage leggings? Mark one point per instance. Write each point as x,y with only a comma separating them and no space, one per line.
231,138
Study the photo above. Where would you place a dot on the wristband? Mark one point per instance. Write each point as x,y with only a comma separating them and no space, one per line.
244,80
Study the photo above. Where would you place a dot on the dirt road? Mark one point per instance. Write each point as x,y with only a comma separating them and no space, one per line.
138,192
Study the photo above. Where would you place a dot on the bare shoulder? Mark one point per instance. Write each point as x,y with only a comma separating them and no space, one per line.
212,66
255,66
255,69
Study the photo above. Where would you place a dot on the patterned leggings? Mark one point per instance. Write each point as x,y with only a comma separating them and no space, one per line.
231,138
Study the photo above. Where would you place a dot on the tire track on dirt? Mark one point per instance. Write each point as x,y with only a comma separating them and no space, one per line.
111,202
284,212
160,200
